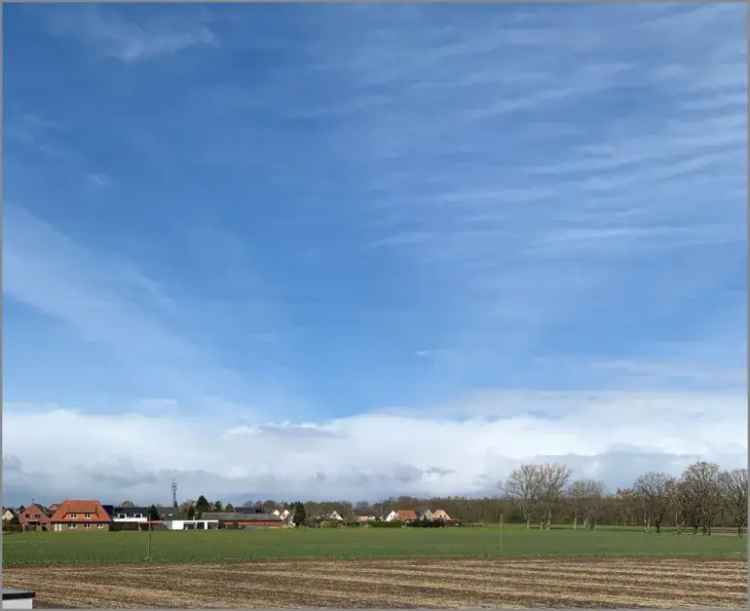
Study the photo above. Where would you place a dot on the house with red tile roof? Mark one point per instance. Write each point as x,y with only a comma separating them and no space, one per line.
401,515
80,515
34,517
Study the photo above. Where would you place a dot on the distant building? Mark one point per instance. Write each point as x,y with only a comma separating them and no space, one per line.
426,515
334,515
185,524
244,520
130,515
440,514
401,515
34,517
80,515
365,519
8,515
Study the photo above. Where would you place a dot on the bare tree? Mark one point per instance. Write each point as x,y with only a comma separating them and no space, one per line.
552,480
627,506
524,487
702,492
652,489
586,499
675,504
734,496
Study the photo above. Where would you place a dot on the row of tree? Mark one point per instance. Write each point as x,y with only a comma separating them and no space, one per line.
703,497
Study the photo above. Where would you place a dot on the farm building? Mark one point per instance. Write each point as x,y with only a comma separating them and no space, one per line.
202,524
34,517
80,515
401,515
244,520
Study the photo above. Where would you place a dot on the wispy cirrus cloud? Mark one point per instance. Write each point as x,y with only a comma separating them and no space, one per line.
98,179
127,39
110,303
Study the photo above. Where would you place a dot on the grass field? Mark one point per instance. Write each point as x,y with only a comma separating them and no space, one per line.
27,549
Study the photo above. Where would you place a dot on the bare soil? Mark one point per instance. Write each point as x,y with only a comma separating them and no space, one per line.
655,583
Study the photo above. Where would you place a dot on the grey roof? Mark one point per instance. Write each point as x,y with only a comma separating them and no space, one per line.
132,510
245,517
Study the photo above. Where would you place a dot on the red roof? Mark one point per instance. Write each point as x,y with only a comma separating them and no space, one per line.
96,512
407,514
33,513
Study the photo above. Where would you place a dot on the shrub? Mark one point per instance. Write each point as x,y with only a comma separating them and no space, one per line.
383,524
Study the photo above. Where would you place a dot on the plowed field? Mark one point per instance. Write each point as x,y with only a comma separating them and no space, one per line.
546,582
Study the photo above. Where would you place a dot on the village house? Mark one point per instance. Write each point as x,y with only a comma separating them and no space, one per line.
440,514
8,515
365,519
425,515
401,515
34,517
137,515
84,515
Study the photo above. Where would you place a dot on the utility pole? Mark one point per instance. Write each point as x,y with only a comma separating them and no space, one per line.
501,533
148,544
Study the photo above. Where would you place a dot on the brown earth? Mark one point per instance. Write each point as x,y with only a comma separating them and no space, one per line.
630,583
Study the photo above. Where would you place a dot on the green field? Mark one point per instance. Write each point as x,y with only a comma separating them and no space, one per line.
46,548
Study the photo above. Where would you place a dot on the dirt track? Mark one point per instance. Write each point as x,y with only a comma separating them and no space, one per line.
394,583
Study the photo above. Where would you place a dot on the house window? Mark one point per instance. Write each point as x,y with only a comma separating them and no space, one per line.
87,525
100,525
72,525
87,515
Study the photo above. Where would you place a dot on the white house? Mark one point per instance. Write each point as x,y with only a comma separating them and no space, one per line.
334,515
131,515
392,516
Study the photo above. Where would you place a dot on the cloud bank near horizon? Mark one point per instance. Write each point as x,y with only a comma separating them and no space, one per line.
465,448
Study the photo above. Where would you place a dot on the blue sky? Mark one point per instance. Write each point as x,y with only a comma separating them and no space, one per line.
304,216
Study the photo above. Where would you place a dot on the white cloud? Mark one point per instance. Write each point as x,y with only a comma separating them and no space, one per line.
393,451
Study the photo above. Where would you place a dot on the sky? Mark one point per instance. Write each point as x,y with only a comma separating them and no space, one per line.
354,251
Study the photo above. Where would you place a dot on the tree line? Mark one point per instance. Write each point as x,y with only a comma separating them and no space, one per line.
703,497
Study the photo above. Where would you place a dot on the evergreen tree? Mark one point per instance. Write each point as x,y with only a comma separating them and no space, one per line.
202,505
299,514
